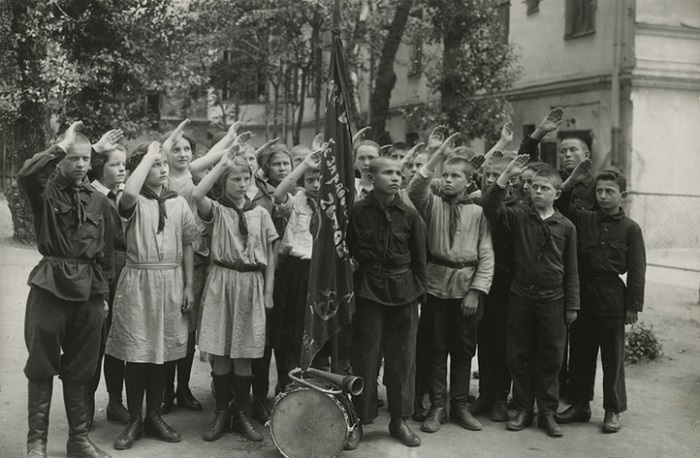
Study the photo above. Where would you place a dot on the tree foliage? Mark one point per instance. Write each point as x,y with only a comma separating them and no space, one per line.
475,65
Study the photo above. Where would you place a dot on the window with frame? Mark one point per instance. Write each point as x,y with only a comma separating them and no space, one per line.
580,18
533,6
503,13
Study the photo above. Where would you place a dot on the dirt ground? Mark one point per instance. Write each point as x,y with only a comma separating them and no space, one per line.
664,396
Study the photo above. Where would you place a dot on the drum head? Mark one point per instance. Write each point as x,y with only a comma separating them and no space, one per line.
308,424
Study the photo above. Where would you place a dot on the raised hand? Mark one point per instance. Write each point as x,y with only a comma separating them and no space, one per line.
477,161
408,158
437,136
153,150
507,133
581,171
176,135
516,166
360,135
552,121
497,154
233,130
69,136
266,146
243,138
447,144
313,160
318,142
108,141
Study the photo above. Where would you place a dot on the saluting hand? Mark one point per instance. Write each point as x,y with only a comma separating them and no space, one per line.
507,133
360,135
109,141
69,137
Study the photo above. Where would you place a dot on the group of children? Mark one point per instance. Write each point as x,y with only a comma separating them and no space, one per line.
453,251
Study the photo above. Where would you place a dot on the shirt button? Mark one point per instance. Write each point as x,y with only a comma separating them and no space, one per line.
603,243
52,155
606,229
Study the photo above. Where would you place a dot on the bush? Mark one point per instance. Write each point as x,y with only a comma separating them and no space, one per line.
641,343
22,219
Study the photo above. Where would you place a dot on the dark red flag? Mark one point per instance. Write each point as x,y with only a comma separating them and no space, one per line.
331,301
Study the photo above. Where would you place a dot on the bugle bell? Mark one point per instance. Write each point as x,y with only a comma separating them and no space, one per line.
348,383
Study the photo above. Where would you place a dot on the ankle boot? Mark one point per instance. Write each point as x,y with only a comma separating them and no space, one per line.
221,417
132,432
38,407
260,410
420,412
116,410
241,421
459,413
400,430
184,396
90,396
79,444
168,400
437,415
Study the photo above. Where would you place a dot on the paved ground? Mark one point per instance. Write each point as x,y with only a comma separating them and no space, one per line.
664,396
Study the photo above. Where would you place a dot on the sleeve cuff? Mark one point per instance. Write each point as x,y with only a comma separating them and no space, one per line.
426,173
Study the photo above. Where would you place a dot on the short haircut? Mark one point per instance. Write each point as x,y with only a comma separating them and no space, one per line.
467,167
461,151
300,148
266,157
311,170
614,176
401,146
98,161
365,143
136,156
535,166
581,142
548,173
380,163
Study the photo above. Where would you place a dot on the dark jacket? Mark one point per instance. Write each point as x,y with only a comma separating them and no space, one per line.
609,246
546,266
78,255
390,247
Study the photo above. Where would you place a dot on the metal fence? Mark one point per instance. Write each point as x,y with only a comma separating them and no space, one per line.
671,227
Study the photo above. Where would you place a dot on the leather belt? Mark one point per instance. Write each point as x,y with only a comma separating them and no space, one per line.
240,267
451,264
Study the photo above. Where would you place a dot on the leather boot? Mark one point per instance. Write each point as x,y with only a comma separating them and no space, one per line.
521,420
420,412
437,415
354,437
116,410
547,423
499,411
154,425
579,412
168,400
481,405
132,432
400,430
184,396
221,417
241,422
459,413
90,396
38,407
79,444
260,410
611,422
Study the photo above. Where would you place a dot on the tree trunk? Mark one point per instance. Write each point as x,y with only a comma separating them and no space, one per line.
386,77
453,39
296,135
317,58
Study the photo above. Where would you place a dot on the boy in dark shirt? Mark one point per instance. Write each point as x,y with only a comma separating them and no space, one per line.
610,244
387,238
65,308
544,292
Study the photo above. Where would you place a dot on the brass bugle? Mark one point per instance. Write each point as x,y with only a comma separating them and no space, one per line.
350,383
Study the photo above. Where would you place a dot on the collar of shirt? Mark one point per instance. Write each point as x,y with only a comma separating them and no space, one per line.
617,216
99,187
556,216
371,200
64,183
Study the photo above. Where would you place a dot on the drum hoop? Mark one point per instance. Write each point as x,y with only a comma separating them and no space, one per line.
334,398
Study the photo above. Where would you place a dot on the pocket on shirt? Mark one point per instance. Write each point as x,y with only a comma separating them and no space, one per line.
92,226
64,214
559,242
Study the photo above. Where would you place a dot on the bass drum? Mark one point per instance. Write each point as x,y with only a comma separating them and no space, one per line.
307,423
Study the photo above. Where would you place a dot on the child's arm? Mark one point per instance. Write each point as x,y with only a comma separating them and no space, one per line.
419,187
636,271
481,281
266,146
580,173
408,158
492,201
311,161
417,244
360,135
270,275
175,136
187,270
36,170
571,282
198,167
437,136
108,141
199,194
550,123
133,185
503,141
